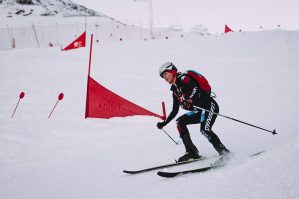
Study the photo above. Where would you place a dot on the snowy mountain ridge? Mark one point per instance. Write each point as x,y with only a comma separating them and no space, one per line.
65,8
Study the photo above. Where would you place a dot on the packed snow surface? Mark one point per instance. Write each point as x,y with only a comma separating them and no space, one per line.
255,77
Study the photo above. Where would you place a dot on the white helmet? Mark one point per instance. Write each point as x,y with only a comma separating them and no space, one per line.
166,67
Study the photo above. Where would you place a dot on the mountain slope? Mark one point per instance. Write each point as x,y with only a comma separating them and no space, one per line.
66,8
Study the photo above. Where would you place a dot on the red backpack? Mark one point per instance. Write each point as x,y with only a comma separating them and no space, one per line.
201,80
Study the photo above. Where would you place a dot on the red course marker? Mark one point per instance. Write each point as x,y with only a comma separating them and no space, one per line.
22,95
60,97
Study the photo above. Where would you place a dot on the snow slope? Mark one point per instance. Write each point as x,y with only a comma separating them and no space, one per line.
255,77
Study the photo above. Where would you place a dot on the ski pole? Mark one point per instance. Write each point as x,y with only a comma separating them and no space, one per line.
170,137
273,132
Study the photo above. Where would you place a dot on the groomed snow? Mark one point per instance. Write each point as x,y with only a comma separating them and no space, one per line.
255,77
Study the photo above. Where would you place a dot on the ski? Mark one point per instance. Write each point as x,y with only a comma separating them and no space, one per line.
256,154
162,166
202,169
173,174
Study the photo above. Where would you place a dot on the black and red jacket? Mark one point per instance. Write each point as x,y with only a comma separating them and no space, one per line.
186,88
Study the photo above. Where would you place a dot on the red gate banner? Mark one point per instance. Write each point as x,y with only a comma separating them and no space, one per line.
78,43
103,103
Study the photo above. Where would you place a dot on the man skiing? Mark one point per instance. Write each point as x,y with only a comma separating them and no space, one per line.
189,93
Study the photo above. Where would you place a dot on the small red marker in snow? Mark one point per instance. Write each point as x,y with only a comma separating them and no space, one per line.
60,97
22,95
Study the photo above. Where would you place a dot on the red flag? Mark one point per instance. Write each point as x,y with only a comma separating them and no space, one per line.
79,42
227,29
103,103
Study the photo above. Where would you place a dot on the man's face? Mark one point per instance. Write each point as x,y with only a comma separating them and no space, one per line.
169,77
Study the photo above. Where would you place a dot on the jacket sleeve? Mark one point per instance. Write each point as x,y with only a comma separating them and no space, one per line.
175,109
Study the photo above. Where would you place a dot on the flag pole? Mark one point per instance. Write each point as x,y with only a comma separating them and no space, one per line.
164,111
90,53
89,66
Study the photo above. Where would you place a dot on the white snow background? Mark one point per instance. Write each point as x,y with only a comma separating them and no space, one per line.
255,77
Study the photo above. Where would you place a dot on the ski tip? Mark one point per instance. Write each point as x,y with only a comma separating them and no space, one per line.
166,174
129,172
274,132
256,154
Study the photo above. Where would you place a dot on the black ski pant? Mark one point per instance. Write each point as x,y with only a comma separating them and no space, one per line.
207,120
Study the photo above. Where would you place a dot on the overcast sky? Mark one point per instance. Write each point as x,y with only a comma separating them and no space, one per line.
213,14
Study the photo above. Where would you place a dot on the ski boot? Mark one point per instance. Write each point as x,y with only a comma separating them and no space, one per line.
189,156
191,150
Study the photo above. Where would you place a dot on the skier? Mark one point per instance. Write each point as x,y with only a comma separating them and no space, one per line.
187,93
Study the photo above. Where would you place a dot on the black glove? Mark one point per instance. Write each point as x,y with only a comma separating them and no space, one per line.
187,103
160,125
